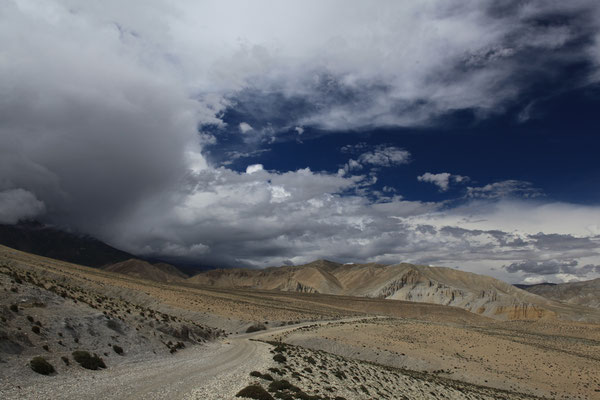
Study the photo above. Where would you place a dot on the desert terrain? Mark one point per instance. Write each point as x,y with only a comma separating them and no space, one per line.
182,339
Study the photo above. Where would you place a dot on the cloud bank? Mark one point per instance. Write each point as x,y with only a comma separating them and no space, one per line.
105,109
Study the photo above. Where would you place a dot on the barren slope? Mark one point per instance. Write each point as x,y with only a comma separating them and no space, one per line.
586,293
159,272
476,293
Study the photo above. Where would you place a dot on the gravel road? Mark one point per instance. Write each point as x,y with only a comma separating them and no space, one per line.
198,372
217,370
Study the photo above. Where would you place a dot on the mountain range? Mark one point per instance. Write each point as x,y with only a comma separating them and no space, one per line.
478,294
585,293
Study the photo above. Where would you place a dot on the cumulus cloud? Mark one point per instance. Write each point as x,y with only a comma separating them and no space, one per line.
250,169
380,156
94,117
385,157
442,180
245,127
19,204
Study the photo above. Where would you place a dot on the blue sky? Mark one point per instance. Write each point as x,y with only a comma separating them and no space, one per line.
555,149
250,134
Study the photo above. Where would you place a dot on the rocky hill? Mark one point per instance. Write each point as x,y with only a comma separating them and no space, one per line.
160,272
586,293
476,293
43,240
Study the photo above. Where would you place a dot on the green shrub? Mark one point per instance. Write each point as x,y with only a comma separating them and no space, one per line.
256,374
88,361
41,366
35,329
254,392
118,349
256,327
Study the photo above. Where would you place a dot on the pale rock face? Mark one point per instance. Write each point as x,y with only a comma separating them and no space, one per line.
475,293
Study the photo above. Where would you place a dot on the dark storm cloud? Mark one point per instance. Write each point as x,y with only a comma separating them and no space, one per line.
548,267
563,242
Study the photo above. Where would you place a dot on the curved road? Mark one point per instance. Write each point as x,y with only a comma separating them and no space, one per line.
216,370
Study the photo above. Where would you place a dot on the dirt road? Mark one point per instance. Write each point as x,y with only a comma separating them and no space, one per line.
217,370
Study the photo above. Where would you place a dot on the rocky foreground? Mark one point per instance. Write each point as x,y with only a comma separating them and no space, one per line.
69,331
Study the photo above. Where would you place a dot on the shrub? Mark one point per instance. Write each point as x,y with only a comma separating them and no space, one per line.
88,361
35,329
30,318
118,349
340,374
280,358
254,392
256,374
282,385
41,366
256,327
65,359
14,308
280,348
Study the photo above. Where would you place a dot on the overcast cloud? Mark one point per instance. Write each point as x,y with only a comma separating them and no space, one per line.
104,112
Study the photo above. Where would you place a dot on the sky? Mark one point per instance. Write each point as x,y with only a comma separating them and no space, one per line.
261,133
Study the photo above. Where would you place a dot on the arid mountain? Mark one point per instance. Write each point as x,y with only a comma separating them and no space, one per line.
160,272
476,293
586,293
36,238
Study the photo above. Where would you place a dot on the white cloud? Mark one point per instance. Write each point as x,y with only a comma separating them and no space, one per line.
245,127
268,218
250,169
381,156
299,130
385,157
442,180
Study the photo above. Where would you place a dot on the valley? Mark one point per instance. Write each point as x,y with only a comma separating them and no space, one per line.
182,339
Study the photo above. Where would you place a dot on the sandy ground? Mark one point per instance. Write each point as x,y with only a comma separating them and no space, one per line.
552,360
219,370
